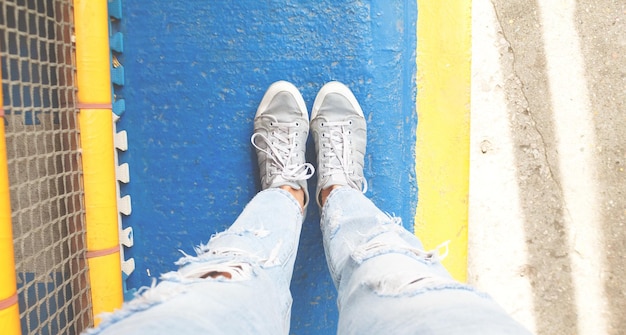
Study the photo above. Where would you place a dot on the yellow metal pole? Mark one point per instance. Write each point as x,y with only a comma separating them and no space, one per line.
442,145
96,129
9,310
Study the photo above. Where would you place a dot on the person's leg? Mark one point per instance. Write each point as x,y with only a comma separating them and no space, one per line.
239,281
386,282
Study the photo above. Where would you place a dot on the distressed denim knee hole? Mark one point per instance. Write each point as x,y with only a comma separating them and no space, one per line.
376,248
233,270
407,284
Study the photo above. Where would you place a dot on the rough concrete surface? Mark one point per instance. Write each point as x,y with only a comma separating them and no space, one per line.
548,152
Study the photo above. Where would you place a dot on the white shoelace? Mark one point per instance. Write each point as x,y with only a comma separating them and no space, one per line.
281,152
337,139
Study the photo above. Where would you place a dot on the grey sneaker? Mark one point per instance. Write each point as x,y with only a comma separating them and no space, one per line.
281,127
340,135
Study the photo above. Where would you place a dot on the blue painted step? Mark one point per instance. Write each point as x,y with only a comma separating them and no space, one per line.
194,74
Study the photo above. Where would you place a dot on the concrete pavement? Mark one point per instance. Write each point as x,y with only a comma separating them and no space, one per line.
547,180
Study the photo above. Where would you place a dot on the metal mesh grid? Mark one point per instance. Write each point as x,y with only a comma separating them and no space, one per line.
44,165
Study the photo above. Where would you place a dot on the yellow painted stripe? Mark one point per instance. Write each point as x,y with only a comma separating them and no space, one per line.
442,145
96,135
9,316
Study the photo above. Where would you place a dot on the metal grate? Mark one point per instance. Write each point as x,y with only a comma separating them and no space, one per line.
44,165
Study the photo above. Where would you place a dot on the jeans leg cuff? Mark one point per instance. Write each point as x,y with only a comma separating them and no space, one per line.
284,193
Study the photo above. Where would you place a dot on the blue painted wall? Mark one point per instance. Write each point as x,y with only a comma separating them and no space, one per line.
195,72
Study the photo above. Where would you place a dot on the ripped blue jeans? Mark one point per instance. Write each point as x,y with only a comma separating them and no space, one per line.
239,282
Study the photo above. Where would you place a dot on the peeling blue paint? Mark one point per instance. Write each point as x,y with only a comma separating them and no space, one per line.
194,74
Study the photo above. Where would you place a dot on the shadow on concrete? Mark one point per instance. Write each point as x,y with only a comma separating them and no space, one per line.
541,199
601,27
